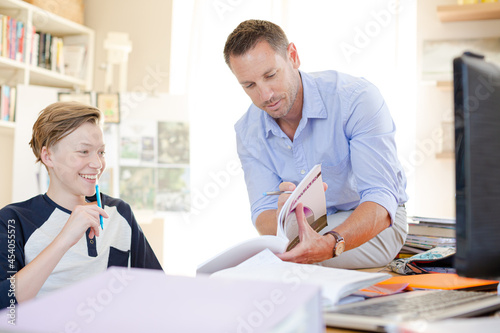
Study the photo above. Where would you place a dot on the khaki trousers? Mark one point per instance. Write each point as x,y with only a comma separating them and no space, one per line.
377,252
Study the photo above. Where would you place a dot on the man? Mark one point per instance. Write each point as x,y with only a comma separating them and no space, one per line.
298,120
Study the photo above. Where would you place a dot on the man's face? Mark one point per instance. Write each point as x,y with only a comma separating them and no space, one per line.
271,82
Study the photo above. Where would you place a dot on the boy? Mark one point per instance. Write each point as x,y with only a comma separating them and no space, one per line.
53,240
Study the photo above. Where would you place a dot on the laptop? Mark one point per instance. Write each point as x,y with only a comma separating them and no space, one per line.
386,313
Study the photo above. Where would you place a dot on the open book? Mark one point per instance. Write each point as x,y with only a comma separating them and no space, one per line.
311,194
335,283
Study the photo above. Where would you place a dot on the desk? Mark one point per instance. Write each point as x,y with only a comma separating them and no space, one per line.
473,324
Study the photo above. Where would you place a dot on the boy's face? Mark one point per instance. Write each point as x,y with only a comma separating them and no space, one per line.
77,161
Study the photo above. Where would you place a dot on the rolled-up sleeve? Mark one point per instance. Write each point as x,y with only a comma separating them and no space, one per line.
371,132
259,178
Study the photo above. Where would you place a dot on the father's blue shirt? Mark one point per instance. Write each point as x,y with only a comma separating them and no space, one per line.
346,126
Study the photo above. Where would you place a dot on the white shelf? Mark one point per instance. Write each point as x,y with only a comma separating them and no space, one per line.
8,63
16,72
446,155
7,127
44,77
472,12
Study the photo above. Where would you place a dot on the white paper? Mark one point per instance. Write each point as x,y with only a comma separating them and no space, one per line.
334,282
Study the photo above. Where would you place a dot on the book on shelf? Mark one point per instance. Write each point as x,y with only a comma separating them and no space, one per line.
430,230
75,54
410,250
35,42
51,52
19,40
7,103
12,32
428,242
310,192
434,221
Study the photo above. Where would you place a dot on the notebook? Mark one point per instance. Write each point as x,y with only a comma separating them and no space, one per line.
387,313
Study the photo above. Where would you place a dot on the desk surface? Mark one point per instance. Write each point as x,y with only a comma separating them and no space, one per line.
485,322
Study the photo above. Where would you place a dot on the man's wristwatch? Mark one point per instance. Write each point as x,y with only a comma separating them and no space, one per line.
339,243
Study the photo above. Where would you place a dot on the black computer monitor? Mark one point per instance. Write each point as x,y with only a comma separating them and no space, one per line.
477,166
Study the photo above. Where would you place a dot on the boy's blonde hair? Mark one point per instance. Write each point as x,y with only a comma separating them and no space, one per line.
57,121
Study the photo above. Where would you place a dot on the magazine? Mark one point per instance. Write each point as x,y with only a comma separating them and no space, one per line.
311,194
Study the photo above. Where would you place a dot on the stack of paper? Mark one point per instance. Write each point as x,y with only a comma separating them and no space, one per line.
425,233
335,283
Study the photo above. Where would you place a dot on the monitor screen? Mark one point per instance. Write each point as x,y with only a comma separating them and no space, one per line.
477,166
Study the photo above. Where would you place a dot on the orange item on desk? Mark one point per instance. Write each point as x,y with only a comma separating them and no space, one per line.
380,289
442,281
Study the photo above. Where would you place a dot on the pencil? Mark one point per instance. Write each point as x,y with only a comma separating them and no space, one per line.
98,196
277,192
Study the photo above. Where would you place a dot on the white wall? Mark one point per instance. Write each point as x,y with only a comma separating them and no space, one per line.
435,193
220,216
30,101
148,23
6,168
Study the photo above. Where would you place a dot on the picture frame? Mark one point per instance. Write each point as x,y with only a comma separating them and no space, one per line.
109,104
83,97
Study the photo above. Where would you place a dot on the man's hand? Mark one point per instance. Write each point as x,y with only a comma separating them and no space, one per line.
266,222
285,186
312,247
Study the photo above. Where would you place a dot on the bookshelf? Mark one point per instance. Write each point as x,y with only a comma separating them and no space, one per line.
457,14
22,71
22,68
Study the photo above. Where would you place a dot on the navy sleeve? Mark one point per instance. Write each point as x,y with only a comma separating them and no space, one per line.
142,255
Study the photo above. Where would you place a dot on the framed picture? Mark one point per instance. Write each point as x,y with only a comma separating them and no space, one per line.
85,97
109,104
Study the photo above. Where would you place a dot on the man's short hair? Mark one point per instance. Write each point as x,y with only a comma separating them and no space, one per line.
248,33
57,121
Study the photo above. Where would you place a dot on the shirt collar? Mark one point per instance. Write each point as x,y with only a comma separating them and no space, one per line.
313,107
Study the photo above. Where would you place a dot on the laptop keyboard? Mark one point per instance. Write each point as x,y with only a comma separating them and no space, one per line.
417,306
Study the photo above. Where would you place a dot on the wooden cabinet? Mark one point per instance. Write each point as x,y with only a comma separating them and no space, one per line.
480,11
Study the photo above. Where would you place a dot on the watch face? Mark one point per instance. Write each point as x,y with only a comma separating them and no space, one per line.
339,248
